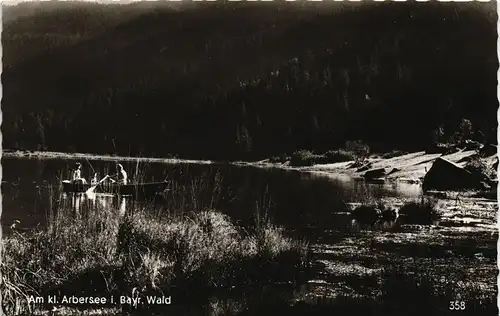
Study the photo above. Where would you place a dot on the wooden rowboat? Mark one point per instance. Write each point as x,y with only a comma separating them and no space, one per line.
135,189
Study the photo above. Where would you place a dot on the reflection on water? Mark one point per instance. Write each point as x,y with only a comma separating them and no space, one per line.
79,203
357,226
89,202
360,187
305,203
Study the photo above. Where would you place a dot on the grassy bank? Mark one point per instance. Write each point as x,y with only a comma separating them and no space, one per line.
102,255
205,253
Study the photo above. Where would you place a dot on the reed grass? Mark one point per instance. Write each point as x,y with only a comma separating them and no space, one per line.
100,253
424,210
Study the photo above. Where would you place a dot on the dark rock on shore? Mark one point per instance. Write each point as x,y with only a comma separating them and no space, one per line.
446,175
394,170
375,173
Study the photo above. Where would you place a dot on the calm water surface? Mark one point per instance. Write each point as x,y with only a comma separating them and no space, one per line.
302,202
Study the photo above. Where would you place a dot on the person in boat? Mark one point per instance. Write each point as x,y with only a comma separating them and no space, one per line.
95,179
77,174
121,176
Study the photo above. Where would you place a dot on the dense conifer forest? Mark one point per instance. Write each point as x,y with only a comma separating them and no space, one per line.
247,81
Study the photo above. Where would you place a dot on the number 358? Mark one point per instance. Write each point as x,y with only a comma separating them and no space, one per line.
457,305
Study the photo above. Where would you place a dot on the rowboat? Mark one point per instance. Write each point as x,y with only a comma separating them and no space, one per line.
142,189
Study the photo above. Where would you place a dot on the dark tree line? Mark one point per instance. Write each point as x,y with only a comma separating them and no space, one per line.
247,81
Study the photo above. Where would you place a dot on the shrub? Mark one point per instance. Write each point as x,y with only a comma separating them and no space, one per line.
304,158
480,169
279,159
438,134
359,149
340,155
307,158
463,131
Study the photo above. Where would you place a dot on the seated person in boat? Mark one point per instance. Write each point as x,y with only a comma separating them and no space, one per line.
77,174
121,176
95,179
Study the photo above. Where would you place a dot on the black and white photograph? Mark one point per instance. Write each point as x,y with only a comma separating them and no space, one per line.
241,158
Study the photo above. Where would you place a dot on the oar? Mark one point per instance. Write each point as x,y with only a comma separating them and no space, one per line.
92,188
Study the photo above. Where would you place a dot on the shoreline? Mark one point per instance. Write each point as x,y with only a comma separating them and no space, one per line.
407,168
410,167
62,155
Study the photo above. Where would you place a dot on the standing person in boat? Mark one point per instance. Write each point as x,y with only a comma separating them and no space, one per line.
77,174
121,176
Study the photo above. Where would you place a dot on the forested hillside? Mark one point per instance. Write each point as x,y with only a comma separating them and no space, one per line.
245,80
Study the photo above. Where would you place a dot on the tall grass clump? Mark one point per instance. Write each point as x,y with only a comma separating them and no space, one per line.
203,250
43,261
422,211
103,254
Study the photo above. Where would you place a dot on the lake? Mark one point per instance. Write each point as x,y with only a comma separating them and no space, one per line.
314,207
296,200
